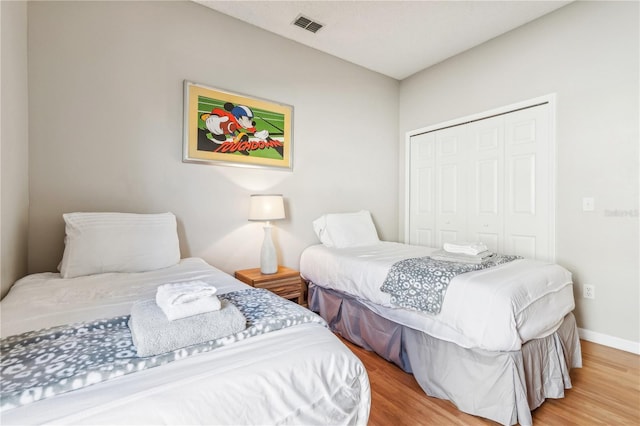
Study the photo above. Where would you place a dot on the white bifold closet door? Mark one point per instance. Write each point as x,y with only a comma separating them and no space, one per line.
489,180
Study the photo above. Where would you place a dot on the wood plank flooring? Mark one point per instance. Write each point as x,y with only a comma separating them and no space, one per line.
606,391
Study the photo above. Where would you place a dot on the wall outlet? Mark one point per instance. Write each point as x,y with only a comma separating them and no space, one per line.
588,291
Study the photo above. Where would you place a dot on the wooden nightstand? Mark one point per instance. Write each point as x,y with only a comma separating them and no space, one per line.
285,282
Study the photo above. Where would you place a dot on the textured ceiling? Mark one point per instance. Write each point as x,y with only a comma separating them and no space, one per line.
395,38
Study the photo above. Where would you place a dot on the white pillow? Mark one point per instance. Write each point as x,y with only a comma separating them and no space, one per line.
342,230
96,243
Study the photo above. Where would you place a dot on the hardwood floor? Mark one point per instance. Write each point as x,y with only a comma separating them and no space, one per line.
606,391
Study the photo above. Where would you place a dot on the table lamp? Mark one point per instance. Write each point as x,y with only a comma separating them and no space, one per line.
267,208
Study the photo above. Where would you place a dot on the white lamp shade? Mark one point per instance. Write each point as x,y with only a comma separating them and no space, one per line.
266,207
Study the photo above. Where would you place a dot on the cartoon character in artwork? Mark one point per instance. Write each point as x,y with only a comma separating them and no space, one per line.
235,121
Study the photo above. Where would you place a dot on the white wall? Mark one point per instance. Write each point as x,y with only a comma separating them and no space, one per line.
587,53
14,146
105,104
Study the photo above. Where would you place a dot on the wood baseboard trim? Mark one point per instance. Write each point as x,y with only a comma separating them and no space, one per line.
610,341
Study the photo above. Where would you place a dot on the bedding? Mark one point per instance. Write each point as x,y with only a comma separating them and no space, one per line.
102,242
504,340
421,283
343,230
298,374
494,309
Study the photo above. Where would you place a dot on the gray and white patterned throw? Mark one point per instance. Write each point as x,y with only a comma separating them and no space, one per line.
421,283
40,364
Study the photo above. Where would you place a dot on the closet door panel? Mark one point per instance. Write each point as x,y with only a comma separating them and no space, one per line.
522,185
523,245
449,189
528,180
422,190
450,185
485,212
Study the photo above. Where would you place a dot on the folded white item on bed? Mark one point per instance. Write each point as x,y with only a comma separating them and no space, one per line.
471,249
185,299
153,334
184,292
189,309
462,258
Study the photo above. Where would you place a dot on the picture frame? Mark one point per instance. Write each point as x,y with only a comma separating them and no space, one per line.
231,129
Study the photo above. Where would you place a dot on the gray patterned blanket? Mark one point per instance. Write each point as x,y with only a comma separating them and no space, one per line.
420,283
44,363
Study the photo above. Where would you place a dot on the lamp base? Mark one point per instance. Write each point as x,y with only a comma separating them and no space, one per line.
268,258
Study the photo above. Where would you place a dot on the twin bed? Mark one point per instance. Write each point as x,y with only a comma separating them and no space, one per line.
300,374
504,339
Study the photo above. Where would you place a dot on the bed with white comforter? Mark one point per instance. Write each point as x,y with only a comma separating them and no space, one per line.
298,375
495,309
504,339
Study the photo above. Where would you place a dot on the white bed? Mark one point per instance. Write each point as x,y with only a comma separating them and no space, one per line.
503,341
300,374
495,309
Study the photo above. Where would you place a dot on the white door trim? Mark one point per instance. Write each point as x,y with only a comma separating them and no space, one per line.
549,99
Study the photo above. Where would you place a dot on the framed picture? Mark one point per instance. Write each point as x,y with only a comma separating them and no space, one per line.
227,128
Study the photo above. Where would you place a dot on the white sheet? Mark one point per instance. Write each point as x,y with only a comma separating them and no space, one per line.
299,375
496,309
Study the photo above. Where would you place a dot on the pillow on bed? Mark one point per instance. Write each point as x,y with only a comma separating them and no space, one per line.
118,242
342,230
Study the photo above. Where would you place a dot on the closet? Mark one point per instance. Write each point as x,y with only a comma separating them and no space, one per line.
489,179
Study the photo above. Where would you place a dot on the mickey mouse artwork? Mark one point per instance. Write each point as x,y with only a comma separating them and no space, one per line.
233,124
228,128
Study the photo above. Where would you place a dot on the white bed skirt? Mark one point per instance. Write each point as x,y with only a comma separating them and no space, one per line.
501,386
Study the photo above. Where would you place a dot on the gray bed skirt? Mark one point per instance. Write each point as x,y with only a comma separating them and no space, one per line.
501,386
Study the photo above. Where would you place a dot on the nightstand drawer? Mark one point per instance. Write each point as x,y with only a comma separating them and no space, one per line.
285,282
291,290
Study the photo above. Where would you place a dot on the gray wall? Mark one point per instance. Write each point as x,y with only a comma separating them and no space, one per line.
587,53
106,91
14,146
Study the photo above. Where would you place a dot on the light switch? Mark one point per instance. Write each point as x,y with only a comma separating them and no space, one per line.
588,204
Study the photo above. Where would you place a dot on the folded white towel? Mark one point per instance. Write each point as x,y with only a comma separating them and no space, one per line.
184,292
462,258
189,309
472,249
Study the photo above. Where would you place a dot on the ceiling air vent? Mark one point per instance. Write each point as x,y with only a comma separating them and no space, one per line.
307,24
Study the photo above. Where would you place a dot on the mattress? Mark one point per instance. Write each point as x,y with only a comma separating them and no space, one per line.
496,309
299,375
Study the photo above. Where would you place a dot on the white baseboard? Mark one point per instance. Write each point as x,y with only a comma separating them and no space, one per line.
611,341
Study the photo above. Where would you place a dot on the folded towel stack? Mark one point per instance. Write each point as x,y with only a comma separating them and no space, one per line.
153,333
462,258
463,252
188,298
471,249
